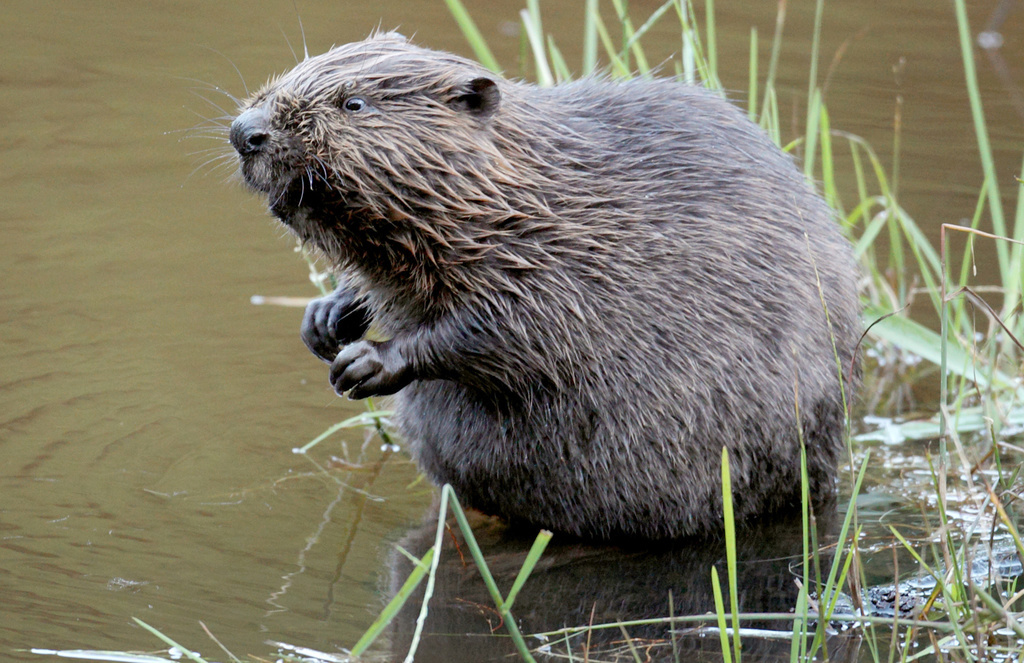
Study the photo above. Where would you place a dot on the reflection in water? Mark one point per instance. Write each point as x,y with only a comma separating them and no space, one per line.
991,42
300,563
576,584
356,488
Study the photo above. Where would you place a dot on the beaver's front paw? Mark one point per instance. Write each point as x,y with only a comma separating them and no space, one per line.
368,368
333,321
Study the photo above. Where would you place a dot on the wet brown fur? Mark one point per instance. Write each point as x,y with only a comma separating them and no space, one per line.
590,289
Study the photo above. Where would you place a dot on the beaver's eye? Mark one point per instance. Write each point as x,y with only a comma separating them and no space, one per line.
354,104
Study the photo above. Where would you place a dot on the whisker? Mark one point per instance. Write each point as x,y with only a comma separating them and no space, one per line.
289,42
278,198
215,105
320,162
231,62
302,30
218,151
212,124
212,164
206,85
206,133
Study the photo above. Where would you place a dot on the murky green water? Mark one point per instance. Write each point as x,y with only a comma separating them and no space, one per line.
147,409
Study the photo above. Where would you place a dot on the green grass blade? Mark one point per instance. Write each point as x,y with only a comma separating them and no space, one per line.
362,420
770,116
997,607
99,655
472,34
629,44
1015,282
648,24
693,44
806,542
981,134
428,591
965,259
873,226
689,56
492,587
812,76
535,35
395,605
828,170
629,643
730,550
862,190
532,557
712,39
829,595
923,342
184,650
799,626
561,69
811,136
474,550
590,38
723,629
618,66
773,65
752,76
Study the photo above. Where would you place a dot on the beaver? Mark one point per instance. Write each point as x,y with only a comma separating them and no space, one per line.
586,291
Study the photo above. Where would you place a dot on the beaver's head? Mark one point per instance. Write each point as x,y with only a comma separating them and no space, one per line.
369,134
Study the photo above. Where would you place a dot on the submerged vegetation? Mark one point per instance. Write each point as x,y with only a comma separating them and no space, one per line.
976,349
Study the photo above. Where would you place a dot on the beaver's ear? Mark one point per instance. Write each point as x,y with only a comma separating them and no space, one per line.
479,97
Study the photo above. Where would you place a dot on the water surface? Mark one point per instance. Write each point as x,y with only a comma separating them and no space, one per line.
148,410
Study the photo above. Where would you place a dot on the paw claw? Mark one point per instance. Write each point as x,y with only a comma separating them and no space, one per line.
334,321
366,369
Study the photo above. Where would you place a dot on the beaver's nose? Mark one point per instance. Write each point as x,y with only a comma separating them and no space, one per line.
250,131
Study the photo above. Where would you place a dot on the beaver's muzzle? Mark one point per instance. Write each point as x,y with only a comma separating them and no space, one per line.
250,131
